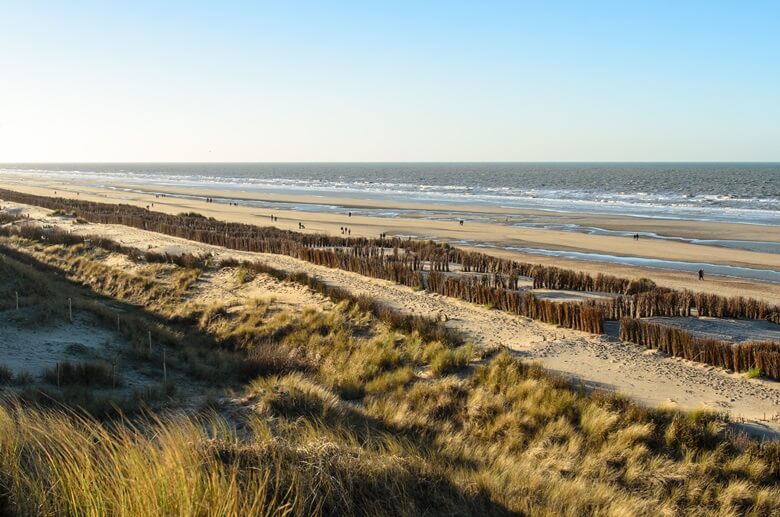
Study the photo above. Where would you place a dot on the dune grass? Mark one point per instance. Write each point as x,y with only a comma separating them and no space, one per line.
351,410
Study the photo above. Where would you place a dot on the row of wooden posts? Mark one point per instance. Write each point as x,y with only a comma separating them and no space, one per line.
739,357
406,260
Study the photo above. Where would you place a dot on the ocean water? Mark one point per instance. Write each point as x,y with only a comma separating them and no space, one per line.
728,192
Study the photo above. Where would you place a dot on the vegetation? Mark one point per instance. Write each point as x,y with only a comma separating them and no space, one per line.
6,375
91,373
243,275
351,409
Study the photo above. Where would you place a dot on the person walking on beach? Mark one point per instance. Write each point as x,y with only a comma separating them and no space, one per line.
701,274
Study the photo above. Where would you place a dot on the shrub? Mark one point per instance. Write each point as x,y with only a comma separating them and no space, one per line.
451,360
243,275
93,373
23,378
6,375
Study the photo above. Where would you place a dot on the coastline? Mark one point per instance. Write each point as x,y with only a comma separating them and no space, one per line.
499,236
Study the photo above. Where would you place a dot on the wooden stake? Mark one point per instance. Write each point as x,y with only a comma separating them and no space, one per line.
150,341
117,322
70,309
58,374
17,300
165,368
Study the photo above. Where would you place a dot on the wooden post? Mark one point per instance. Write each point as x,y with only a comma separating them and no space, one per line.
150,342
70,310
58,374
117,322
165,368
17,300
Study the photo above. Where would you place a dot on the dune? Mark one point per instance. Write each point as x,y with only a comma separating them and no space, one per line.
597,361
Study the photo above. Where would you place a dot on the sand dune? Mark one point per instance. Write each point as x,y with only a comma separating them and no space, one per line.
597,361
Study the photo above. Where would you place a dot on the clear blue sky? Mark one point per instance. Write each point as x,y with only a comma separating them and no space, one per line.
389,81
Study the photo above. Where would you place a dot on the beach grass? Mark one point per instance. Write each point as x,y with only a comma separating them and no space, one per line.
352,408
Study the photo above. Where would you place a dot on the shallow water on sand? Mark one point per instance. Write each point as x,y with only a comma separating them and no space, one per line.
674,265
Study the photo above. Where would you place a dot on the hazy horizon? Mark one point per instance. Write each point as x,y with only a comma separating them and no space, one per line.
336,162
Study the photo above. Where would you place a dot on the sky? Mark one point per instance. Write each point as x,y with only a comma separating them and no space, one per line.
358,81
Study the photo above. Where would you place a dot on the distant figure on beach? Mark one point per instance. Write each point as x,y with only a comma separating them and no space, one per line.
461,222
701,274
349,214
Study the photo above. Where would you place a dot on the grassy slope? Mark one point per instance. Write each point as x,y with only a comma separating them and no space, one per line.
347,413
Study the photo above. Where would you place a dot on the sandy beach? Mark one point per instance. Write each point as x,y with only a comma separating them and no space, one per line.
497,236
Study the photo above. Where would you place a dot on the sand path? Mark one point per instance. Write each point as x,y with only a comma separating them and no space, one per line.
597,361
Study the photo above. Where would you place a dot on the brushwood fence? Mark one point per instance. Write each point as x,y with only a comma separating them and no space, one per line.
570,315
397,260
739,357
410,262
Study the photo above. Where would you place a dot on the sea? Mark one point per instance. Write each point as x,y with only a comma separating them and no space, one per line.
727,192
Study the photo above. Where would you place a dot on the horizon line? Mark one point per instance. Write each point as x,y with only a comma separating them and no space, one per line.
314,162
